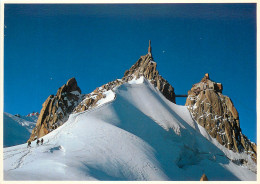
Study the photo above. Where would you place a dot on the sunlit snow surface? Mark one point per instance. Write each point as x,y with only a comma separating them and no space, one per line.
17,130
135,134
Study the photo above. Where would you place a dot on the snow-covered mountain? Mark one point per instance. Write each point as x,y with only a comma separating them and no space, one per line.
136,135
17,128
131,129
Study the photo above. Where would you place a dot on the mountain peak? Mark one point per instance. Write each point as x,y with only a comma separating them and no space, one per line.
218,115
56,109
72,85
147,67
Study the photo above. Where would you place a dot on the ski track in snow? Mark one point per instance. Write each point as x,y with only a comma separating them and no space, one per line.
11,155
20,161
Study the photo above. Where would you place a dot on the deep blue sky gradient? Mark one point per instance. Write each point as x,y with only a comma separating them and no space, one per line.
45,45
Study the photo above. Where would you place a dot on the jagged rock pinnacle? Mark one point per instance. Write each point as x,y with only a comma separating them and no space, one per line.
56,109
146,67
218,115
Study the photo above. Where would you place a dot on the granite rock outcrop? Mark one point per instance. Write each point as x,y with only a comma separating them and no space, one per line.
57,108
145,66
218,115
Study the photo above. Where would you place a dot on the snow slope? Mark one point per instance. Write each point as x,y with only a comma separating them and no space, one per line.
17,130
138,135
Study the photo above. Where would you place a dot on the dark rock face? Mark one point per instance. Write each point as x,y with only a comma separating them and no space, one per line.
218,115
146,67
56,109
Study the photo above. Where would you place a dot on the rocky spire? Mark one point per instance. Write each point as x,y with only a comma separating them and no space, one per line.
146,67
57,108
150,48
218,115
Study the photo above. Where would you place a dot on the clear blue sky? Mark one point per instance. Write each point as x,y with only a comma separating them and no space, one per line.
45,45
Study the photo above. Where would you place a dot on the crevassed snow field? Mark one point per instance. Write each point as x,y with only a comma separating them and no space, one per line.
135,134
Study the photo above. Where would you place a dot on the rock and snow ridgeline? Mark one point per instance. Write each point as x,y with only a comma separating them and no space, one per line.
56,108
